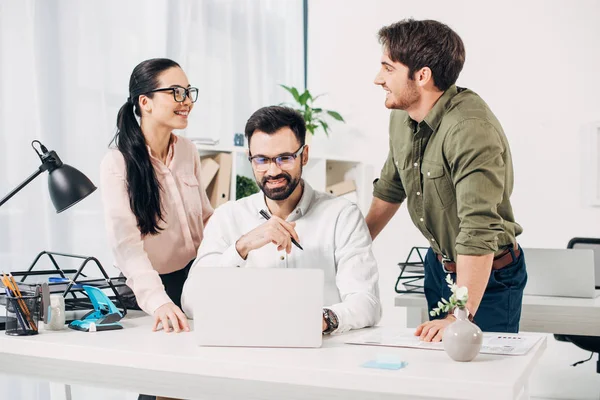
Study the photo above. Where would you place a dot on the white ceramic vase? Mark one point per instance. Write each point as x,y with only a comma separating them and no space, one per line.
462,339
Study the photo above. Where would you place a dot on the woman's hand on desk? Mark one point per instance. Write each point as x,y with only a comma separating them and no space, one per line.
170,312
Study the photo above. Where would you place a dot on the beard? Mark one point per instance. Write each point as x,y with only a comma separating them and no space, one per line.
281,192
409,96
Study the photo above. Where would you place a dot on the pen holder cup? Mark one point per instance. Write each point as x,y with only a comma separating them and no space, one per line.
22,315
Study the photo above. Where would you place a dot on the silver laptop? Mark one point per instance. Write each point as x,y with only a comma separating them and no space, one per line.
258,307
560,272
596,248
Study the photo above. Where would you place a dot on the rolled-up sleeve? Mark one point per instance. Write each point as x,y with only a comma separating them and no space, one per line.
357,276
125,239
475,155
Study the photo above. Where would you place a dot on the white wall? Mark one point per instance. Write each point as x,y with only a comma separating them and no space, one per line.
534,62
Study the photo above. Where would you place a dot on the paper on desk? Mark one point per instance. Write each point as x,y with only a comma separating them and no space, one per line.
493,343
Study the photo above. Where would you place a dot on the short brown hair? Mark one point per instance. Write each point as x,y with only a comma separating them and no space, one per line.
428,43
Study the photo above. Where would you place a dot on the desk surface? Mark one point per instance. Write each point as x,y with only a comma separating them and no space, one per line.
550,314
139,360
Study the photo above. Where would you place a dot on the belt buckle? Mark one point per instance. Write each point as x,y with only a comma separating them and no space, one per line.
445,259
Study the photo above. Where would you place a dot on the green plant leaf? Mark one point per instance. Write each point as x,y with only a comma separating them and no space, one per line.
335,115
293,91
304,98
311,128
325,126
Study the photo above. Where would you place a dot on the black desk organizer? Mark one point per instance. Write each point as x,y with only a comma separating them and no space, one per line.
75,297
412,272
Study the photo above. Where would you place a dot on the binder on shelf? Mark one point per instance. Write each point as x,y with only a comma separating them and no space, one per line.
218,189
342,188
208,170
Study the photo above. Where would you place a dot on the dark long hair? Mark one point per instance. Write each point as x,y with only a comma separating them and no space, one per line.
142,186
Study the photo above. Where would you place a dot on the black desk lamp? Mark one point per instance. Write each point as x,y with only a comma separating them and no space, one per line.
66,184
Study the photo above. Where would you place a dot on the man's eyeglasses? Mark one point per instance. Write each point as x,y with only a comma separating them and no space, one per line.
284,161
180,93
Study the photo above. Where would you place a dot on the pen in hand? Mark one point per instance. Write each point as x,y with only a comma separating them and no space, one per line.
268,217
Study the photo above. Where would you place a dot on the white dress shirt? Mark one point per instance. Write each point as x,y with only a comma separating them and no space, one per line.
334,236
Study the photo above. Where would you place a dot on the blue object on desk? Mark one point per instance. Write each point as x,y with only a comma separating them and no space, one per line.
105,316
385,362
56,279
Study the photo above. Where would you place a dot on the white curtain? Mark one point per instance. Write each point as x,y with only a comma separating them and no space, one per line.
64,73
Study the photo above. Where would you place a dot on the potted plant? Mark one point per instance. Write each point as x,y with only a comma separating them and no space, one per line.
462,339
314,117
244,187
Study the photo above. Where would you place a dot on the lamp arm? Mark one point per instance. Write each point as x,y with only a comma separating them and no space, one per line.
21,186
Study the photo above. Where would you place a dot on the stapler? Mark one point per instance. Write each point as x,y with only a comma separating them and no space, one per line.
105,316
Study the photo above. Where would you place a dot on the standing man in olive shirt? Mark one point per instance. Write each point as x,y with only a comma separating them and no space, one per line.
449,158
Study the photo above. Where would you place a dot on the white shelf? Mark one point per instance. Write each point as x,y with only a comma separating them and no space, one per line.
322,170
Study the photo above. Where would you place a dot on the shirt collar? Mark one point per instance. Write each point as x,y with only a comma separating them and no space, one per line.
435,115
300,210
170,153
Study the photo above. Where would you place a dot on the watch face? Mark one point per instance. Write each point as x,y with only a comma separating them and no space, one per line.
331,320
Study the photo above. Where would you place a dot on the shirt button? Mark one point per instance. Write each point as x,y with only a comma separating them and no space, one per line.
432,239
421,219
428,173
297,211
418,193
282,258
416,165
397,164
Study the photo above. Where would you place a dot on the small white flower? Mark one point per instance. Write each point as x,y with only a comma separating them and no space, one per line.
462,293
449,279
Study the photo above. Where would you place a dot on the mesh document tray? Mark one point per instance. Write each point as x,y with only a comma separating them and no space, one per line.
412,272
71,286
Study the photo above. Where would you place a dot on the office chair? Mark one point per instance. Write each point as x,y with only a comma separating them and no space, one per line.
589,343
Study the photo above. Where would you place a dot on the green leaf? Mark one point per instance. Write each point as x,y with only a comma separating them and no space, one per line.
293,91
445,301
325,127
432,313
304,97
336,115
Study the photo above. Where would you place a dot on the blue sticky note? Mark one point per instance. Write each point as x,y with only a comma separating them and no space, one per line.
379,364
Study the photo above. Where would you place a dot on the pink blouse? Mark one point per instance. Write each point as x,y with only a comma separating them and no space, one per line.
186,210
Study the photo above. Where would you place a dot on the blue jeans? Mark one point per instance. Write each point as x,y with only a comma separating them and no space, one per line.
500,308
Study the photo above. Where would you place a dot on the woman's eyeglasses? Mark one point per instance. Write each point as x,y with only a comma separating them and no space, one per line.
180,93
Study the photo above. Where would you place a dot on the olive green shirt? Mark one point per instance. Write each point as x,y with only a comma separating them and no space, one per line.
455,171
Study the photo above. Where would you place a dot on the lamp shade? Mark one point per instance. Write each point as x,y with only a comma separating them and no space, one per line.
67,186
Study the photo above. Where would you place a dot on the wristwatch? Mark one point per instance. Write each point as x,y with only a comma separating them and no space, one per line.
331,320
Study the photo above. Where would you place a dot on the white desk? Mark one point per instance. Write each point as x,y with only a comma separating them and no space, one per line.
563,315
138,360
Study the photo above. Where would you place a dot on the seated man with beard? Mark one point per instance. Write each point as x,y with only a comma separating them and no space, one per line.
331,231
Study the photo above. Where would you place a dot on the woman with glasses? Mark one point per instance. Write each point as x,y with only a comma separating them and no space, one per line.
154,203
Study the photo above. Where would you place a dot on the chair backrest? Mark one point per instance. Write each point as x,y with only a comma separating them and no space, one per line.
589,243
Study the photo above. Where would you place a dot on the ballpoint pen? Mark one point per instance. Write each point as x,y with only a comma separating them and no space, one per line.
268,217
